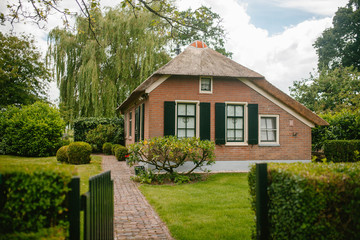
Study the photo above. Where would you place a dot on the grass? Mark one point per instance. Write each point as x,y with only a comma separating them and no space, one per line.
218,208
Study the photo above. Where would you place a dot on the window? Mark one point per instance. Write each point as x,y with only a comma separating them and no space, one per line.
205,85
186,120
269,133
130,123
234,123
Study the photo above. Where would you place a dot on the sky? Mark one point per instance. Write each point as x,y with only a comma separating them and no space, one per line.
271,37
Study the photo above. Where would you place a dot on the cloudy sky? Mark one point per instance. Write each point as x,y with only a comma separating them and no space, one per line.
272,37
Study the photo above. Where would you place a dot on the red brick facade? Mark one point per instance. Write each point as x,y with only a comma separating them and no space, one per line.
294,135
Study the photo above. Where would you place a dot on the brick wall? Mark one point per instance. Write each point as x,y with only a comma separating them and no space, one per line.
295,140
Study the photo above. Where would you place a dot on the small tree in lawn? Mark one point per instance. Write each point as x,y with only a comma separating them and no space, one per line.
168,153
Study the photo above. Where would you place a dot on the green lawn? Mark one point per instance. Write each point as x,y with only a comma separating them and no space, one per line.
218,208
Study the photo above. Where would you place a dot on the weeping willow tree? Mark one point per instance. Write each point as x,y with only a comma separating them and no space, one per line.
96,72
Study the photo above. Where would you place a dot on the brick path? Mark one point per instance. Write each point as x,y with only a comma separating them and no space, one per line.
134,218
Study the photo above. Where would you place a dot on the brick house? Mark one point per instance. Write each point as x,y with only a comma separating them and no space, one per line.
205,94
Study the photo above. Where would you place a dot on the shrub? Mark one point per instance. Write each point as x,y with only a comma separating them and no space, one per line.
120,152
114,146
312,201
79,153
34,130
342,150
33,199
100,135
62,155
169,153
107,148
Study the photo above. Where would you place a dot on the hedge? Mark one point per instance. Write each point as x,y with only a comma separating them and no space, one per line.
342,150
312,201
79,153
83,125
120,152
32,199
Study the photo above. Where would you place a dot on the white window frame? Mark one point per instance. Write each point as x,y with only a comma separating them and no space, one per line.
211,85
197,117
245,142
270,144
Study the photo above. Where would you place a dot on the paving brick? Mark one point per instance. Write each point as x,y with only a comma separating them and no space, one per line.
134,218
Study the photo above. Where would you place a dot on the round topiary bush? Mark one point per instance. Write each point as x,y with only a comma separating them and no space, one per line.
120,152
114,146
79,153
107,148
61,154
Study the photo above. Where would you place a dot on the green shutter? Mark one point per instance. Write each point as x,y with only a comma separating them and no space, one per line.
205,121
169,118
220,123
142,120
253,124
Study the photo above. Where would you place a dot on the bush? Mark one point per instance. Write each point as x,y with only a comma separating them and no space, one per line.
84,125
114,146
342,150
169,153
34,130
312,201
120,152
33,199
100,135
79,153
107,148
62,155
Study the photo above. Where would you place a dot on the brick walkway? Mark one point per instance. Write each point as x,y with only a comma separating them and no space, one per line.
134,218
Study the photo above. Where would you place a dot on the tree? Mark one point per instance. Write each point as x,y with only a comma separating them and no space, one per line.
95,78
23,74
340,44
332,90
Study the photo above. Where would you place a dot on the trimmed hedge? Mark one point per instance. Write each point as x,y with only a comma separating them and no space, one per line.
107,148
114,146
33,199
342,150
100,135
120,152
79,153
312,201
61,154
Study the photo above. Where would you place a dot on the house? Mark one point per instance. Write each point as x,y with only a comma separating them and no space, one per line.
205,94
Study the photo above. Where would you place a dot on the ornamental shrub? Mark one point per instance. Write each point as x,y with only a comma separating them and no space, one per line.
169,153
312,200
342,150
79,153
32,199
107,148
114,146
120,152
62,155
33,130
100,135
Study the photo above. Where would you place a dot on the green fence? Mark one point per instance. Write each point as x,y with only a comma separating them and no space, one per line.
98,207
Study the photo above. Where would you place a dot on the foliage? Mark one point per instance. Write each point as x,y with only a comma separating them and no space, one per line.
84,125
218,208
34,199
34,130
332,90
23,75
62,155
312,201
344,125
149,177
107,148
120,153
100,135
79,153
114,146
340,45
342,150
53,233
168,153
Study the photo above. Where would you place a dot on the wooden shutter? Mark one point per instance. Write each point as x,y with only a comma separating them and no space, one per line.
205,121
220,123
137,124
253,124
169,118
142,120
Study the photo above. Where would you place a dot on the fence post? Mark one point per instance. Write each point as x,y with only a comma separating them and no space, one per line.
262,225
74,208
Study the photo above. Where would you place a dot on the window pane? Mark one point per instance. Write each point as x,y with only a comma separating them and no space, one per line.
271,136
239,123
181,122
191,109
230,123
263,135
239,111
270,123
239,134
190,133
206,84
230,134
181,109
230,110
190,122
263,123
181,133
